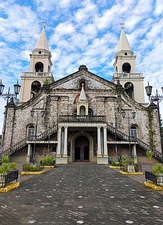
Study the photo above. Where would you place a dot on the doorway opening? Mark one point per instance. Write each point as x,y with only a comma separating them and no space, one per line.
81,149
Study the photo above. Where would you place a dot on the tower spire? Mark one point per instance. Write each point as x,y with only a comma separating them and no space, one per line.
42,42
123,44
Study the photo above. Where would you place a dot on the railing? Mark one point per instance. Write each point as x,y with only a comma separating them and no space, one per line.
9,177
128,75
23,142
151,176
43,135
90,119
31,74
156,154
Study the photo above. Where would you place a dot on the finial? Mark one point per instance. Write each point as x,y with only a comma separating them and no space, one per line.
43,24
122,25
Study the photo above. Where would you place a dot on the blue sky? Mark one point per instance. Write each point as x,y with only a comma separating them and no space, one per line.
81,32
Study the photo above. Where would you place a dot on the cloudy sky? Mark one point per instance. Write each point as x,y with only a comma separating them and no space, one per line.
80,32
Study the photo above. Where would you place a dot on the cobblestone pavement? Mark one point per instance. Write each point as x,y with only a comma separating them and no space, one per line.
81,194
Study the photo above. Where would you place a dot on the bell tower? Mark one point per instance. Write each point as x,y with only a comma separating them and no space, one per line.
40,69
125,69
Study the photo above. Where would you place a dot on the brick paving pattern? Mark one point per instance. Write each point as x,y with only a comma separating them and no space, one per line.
81,194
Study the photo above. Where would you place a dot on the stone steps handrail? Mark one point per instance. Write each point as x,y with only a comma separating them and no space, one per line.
156,154
23,142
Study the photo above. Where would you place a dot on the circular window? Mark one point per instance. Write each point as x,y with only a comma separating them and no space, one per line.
125,53
39,52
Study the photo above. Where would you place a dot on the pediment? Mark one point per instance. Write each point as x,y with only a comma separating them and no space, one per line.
73,81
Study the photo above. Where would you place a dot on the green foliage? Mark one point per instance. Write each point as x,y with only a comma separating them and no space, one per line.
32,168
4,168
149,153
132,161
48,161
13,166
5,159
157,169
124,163
114,163
150,121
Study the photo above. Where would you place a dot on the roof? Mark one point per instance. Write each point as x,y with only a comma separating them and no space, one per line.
42,42
123,42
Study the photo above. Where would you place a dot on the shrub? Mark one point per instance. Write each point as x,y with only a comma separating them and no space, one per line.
4,168
5,159
124,163
149,153
13,166
32,168
157,169
48,161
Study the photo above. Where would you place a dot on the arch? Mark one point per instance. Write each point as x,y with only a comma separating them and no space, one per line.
72,144
133,131
129,89
82,82
35,87
31,132
126,68
82,110
39,67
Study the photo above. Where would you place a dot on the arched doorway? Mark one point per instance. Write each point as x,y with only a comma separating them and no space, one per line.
82,148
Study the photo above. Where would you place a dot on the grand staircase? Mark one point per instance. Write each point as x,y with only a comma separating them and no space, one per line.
23,142
122,136
156,154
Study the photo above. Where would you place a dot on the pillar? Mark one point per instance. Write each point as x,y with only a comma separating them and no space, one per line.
99,140
59,142
134,155
105,142
65,142
28,153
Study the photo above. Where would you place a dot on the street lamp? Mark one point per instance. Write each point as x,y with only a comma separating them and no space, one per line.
8,96
48,127
155,98
133,114
32,114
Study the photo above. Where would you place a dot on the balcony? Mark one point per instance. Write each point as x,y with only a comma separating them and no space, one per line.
36,74
86,119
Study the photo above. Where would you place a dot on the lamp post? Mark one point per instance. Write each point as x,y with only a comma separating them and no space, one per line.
133,114
32,114
48,127
7,96
155,98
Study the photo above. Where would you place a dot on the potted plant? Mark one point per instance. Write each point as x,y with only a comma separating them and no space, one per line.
158,171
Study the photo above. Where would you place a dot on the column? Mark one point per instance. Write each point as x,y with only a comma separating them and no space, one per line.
28,153
105,142
65,141
99,140
59,142
134,155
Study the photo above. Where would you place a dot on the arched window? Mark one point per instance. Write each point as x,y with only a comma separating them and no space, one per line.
129,89
35,87
133,132
39,67
82,110
126,68
31,132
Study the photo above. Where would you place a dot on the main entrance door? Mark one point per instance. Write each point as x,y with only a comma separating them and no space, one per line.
82,149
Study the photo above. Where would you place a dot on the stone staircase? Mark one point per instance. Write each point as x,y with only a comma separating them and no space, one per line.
23,142
156,154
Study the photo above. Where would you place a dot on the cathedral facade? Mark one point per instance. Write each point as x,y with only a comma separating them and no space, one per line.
81,117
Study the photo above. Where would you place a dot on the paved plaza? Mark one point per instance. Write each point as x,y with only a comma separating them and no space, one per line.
81,194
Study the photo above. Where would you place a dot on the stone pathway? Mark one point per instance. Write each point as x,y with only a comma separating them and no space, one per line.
81,194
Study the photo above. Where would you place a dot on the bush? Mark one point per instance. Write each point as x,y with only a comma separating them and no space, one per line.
4,168
124,163
157,169
32,168
48,161
13,166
